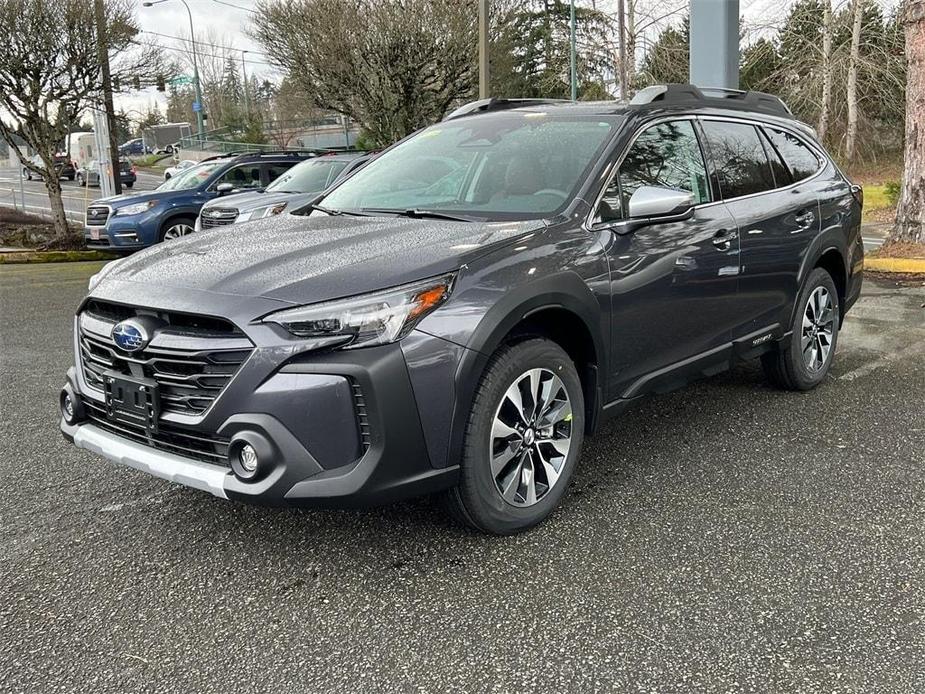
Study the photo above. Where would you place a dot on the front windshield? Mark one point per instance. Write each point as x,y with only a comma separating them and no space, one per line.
308,177
191,177
511,165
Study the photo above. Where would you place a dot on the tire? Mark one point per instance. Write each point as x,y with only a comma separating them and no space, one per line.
177,228
166,176
70,177
804,360
501,444
128,185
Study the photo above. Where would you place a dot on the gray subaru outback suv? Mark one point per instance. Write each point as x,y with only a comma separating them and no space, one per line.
457,316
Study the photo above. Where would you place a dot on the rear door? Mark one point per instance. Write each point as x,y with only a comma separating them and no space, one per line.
776,218
673,284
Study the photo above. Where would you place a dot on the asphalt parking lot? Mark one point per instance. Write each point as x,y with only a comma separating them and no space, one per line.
724,538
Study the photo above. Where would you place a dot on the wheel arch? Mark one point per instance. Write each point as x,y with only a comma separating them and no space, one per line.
562,309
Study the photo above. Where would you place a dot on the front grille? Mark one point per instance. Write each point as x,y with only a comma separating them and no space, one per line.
218,217
192,358
169,438
97,215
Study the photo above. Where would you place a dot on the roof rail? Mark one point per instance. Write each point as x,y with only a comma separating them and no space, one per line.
496,104
722,98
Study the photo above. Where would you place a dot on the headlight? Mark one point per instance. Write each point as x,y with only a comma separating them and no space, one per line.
137,208
261,212
363,321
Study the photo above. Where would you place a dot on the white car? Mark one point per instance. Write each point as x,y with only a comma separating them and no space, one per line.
177,168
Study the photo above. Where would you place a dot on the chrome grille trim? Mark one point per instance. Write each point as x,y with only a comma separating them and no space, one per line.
100,219
217,216
191,371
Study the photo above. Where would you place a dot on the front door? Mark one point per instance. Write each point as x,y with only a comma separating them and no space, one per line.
673,285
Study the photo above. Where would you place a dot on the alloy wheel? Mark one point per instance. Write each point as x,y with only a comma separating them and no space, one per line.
818,329
176,231
530,437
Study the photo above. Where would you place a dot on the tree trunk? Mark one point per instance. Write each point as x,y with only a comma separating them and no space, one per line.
53,186
826,70
910,213
58,216
630,68
851,136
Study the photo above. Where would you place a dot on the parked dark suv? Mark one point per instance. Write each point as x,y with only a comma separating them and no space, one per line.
460,313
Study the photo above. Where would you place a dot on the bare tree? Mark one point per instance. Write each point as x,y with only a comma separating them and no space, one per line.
851,133
391,65
827,29
910,213
50,73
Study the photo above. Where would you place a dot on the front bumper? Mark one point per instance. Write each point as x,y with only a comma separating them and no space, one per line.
131,232
323,452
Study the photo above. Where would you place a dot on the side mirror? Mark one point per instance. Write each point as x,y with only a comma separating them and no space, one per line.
224,188
656,201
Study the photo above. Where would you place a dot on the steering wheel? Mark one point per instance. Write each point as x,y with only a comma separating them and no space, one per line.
552,191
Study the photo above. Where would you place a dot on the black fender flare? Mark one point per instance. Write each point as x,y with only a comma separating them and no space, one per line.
566,291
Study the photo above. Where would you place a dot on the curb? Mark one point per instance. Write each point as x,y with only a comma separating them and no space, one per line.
905,265
53,256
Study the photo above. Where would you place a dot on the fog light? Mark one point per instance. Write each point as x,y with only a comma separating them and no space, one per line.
71,409
247,456
68,407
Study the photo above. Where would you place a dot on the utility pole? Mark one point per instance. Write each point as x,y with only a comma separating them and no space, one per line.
621,23
714,50
198,108
484,76
102,43
574,53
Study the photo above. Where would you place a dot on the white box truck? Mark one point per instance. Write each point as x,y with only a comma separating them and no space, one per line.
82,149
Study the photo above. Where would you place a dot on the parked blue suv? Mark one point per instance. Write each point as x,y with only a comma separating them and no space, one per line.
133,221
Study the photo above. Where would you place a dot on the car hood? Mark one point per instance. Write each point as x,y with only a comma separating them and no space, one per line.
117,201
251,200
302,260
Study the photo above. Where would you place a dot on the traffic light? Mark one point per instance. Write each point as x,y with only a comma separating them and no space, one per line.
161,87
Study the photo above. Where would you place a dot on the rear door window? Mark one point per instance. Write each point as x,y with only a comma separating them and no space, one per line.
739,159
245,176
800,159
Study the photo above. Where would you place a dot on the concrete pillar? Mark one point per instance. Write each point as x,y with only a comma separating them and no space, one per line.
714,53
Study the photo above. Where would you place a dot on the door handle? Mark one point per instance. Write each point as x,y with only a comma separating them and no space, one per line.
804,221
723,239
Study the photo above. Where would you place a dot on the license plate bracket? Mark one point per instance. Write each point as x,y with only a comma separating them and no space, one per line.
132,400
94,233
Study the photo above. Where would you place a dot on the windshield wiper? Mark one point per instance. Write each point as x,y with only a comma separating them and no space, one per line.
417,213
336,213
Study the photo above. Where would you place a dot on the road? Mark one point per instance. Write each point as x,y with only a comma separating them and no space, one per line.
728,537
75,198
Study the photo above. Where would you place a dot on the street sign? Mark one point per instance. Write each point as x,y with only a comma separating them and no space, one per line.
180,79
197,106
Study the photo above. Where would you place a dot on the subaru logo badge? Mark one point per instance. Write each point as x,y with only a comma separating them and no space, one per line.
130,336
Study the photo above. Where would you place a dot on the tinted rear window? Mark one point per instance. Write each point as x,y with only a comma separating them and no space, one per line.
739,158
799,158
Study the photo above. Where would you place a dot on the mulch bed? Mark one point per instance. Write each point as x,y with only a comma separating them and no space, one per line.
899,249
22,230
